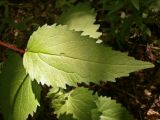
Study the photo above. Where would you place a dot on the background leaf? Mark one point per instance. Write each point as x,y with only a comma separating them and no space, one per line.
19,95
81,18
57,56
111,110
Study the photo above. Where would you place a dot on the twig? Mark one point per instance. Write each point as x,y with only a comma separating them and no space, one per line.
12,47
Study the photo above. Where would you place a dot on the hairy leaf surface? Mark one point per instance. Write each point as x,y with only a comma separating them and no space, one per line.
19,95
110,110
79,102
57,56
81,18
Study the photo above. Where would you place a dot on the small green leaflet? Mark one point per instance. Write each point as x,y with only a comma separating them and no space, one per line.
78,102
83,105
110,110
81,18
19,95
57,56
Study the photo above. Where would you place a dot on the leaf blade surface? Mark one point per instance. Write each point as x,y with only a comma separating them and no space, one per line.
110,110
78,103
57,56
17,98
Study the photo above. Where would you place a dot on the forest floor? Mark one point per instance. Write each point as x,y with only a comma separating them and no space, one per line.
139,93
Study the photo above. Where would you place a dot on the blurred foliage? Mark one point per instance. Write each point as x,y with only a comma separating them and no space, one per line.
64,3
6,20
121,20
126,19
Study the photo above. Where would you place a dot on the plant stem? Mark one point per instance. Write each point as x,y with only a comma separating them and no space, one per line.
12,47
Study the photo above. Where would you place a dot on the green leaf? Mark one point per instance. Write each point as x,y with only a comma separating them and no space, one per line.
81,18
83,105
96,114
57,56
79,102
135,4
110,110
19,95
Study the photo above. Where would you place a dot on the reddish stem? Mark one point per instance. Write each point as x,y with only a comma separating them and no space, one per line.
12,47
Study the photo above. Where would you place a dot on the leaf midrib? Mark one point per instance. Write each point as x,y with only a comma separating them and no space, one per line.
86,60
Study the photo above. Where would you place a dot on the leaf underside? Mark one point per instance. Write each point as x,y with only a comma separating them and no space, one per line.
17,99
57,56
81,104
81,18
